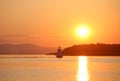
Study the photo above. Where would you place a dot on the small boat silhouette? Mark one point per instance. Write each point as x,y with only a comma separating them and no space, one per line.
59,53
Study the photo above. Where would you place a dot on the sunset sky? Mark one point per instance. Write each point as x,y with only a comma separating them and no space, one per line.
54,22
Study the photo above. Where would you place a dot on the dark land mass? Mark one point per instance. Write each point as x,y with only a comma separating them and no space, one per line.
75,50
24,49
93,50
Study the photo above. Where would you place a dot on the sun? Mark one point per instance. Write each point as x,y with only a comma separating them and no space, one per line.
82,31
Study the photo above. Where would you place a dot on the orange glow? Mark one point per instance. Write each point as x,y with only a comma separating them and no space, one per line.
47,23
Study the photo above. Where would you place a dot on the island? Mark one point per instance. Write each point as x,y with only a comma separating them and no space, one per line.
92,50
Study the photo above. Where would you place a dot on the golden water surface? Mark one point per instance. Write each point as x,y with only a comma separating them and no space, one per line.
82,73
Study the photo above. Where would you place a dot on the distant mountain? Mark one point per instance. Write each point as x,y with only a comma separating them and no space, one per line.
93,50
24,49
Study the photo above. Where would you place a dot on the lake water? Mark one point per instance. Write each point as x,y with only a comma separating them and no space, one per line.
49,68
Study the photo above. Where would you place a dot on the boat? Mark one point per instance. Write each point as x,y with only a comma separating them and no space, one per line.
59,53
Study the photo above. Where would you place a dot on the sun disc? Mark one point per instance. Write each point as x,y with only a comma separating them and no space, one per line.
82,31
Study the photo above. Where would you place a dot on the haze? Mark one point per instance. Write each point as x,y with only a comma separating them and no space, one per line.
52,22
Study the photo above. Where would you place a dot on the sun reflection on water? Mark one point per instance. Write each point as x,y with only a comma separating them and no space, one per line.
82,72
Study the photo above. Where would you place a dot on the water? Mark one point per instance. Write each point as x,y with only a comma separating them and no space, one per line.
49,68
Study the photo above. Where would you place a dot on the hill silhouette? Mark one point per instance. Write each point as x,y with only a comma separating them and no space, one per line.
93,50
24,49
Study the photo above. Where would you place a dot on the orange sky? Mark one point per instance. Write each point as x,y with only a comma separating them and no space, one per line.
53,22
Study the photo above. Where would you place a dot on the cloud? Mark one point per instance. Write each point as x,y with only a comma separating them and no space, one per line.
3,40
15,35
15,38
